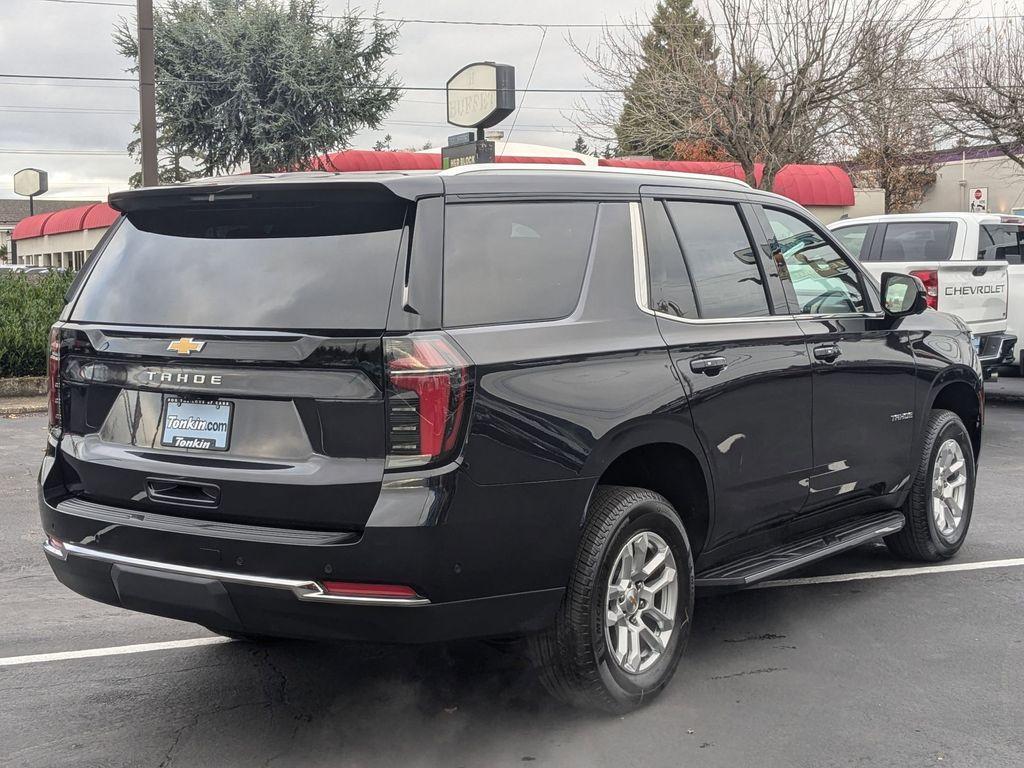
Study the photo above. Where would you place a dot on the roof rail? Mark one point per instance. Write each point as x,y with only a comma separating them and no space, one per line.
542,168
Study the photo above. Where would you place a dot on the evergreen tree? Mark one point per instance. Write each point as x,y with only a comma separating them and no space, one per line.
678,35
271,82
581,146
173,161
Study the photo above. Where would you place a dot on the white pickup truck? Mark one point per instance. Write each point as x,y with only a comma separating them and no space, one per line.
967,262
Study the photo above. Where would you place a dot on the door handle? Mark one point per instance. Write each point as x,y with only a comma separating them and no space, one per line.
708,365
827,352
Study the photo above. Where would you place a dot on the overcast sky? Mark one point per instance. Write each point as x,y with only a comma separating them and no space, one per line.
61,38
73,37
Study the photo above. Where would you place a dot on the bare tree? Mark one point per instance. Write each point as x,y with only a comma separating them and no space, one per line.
778,89
890,125
980,90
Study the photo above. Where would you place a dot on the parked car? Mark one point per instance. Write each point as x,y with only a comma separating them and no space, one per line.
492,401
962,259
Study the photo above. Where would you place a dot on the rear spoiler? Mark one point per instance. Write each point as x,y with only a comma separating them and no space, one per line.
381,188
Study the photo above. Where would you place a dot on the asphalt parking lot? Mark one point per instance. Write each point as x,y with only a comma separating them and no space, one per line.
906,670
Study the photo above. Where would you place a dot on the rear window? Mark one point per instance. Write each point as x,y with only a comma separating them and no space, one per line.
515,262
305,266
918,241
1001,242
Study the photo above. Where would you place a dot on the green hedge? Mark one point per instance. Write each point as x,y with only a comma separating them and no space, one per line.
29,305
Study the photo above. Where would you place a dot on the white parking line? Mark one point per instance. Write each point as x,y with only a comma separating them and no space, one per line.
121,650
920,571
90,653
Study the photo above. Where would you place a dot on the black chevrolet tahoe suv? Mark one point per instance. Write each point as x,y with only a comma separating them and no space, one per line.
490,402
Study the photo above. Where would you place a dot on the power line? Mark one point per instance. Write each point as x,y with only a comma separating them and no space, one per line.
529,79
64,152
443,89
90,2
537,24
65,110
435,88
68,85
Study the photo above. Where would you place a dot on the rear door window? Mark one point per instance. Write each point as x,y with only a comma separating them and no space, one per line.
671,290
515,262
719,258
853,238
1001,242
918,241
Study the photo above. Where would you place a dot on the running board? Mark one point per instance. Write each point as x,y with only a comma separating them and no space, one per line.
764,565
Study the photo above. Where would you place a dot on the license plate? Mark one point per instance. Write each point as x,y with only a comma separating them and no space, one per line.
204,425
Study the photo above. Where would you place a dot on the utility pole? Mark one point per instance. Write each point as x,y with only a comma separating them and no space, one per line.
147,93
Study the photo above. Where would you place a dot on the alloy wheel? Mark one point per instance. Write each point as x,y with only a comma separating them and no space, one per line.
949,489
640,607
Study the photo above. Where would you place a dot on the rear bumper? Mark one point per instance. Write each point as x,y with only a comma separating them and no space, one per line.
996,349
483,561
243,603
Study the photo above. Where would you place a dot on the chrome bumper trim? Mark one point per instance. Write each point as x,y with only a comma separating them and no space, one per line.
310,591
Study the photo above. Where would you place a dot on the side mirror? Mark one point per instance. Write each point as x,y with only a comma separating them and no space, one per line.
903,295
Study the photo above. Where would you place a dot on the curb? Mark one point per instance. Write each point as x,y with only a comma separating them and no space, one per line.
23,386
1004,398
14,408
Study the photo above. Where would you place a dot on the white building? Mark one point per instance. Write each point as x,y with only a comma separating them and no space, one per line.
61,238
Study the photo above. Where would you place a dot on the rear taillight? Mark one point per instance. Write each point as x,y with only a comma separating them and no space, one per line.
356,589
53,378
427,392
930,279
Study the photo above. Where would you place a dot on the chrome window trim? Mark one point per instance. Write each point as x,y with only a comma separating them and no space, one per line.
310,591
642,291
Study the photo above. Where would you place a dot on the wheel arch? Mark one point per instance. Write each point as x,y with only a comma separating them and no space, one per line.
663,455
960,391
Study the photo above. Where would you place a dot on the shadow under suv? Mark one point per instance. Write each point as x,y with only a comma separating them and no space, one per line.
490,402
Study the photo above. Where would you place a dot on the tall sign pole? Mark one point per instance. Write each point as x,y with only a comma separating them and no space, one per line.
147,93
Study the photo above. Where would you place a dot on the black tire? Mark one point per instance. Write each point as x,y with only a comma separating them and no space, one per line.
572,656
919,539
243,636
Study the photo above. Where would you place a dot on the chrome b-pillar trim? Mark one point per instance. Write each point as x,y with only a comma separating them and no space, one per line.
310,591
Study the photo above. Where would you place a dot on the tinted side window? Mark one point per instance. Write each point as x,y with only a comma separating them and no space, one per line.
514,262
1001,241
720,259
918,241
671,291
853,238
823,280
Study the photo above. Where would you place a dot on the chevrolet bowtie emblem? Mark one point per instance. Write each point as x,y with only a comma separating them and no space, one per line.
186,346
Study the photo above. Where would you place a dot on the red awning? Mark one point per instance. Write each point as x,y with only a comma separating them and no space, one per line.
804,184
30,226
815,185
68,220
539,160
99,215
75,219
354,160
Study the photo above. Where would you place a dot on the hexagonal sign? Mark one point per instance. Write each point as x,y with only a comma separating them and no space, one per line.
31,182
481,95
